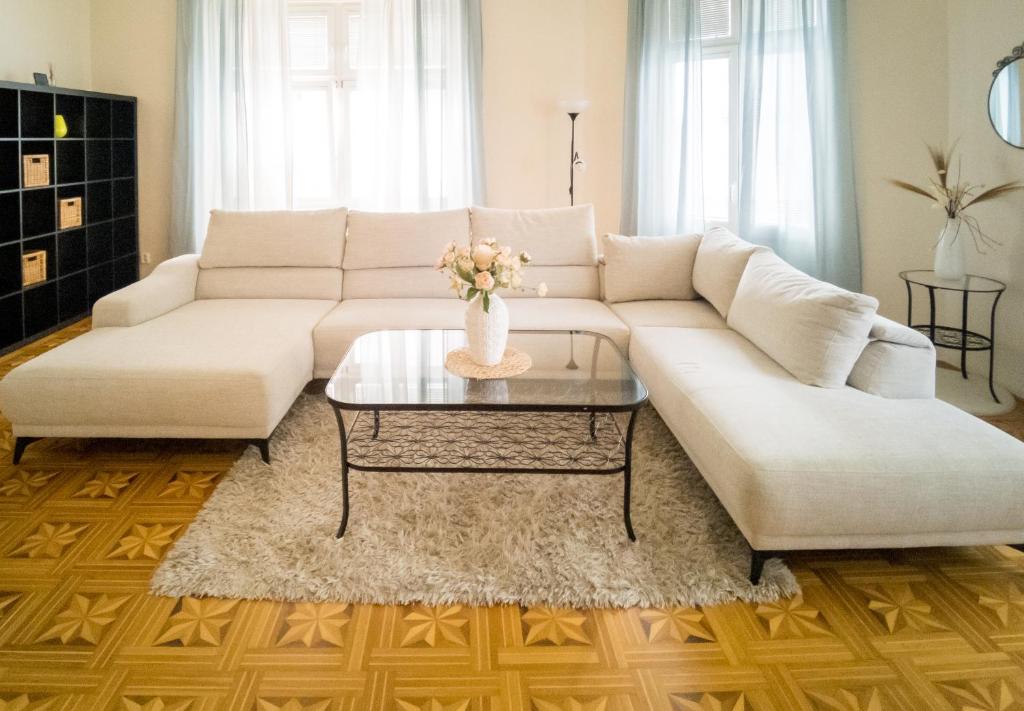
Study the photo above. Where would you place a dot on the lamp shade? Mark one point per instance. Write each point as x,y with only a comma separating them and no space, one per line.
574,106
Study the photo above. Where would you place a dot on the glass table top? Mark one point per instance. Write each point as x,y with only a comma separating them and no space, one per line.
572,370
927,277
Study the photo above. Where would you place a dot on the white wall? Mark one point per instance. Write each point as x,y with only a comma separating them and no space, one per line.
536,53
899,102
37,34
980,33
133,53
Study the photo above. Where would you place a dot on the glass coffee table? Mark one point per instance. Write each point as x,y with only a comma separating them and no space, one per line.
573,412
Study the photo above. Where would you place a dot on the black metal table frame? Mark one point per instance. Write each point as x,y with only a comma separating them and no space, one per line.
988,342
592,409
626,469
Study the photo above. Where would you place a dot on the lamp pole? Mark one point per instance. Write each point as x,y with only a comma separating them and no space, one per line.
573,155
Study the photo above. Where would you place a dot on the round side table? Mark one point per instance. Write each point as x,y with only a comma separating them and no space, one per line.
952,337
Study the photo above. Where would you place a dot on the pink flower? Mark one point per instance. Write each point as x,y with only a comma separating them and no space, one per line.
484,281
483,255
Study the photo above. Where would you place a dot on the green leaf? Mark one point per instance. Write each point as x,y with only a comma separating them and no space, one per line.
473,291
487,302
466,276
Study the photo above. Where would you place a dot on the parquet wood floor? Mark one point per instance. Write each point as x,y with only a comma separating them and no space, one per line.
83,523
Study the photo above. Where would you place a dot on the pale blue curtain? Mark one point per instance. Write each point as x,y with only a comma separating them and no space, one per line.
661,174
231,113
796,186
418,122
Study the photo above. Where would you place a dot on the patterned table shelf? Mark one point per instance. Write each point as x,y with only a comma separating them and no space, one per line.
487,441
950,337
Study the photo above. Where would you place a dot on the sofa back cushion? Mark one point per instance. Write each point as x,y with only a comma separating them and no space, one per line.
813,329
389,240
285,254
721,259
561,238
280,238
643,268
416,282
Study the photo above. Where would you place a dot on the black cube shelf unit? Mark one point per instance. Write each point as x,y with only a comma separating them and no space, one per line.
95,161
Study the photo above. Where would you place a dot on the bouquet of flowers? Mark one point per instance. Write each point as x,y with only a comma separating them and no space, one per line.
477,270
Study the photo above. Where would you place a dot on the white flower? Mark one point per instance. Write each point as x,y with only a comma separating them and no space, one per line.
465,264
450,247
516,281
439,264
525,257
484,281
542,289
449,258
483,256
462,251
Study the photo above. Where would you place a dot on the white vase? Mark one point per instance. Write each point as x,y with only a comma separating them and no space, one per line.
951,250
487,331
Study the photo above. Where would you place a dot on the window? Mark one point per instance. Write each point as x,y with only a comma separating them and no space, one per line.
323,46
720,109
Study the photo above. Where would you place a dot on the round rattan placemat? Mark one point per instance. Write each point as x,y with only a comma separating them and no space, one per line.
512,363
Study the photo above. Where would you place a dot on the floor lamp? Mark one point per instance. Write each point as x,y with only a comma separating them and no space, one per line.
574,108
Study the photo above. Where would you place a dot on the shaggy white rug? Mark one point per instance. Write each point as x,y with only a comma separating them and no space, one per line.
267,532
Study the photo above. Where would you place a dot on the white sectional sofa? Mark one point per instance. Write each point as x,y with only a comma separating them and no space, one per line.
813,419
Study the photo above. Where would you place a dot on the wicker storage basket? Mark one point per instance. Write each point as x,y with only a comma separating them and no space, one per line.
70,212
37,170
33,267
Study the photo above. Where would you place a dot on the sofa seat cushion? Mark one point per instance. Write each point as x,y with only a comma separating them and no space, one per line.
352,318
682,314
216,368
803,467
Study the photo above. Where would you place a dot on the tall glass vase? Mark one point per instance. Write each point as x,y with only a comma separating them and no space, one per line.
951,250
487,331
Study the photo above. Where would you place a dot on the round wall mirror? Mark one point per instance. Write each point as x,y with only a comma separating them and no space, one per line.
1005,106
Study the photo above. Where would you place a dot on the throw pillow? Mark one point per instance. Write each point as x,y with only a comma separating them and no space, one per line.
641,268
721,259
813,329
274,238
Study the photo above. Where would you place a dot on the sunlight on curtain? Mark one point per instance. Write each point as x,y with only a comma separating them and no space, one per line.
417,120
796,189
231,113
662,175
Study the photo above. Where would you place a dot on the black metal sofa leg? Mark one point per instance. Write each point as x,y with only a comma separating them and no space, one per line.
19,447
1017,546
757,561
264,446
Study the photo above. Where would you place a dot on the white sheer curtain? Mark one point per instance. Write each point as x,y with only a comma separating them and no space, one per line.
231,113
796,190
417,120
662,189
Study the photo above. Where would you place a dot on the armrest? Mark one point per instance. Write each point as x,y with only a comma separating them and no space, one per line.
898,362
170,285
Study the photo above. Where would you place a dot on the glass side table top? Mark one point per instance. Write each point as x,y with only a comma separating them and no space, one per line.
971,282
404,370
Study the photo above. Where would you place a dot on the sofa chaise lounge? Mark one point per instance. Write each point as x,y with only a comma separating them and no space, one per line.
812,418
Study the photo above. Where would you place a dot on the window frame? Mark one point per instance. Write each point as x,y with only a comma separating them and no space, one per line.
338,81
